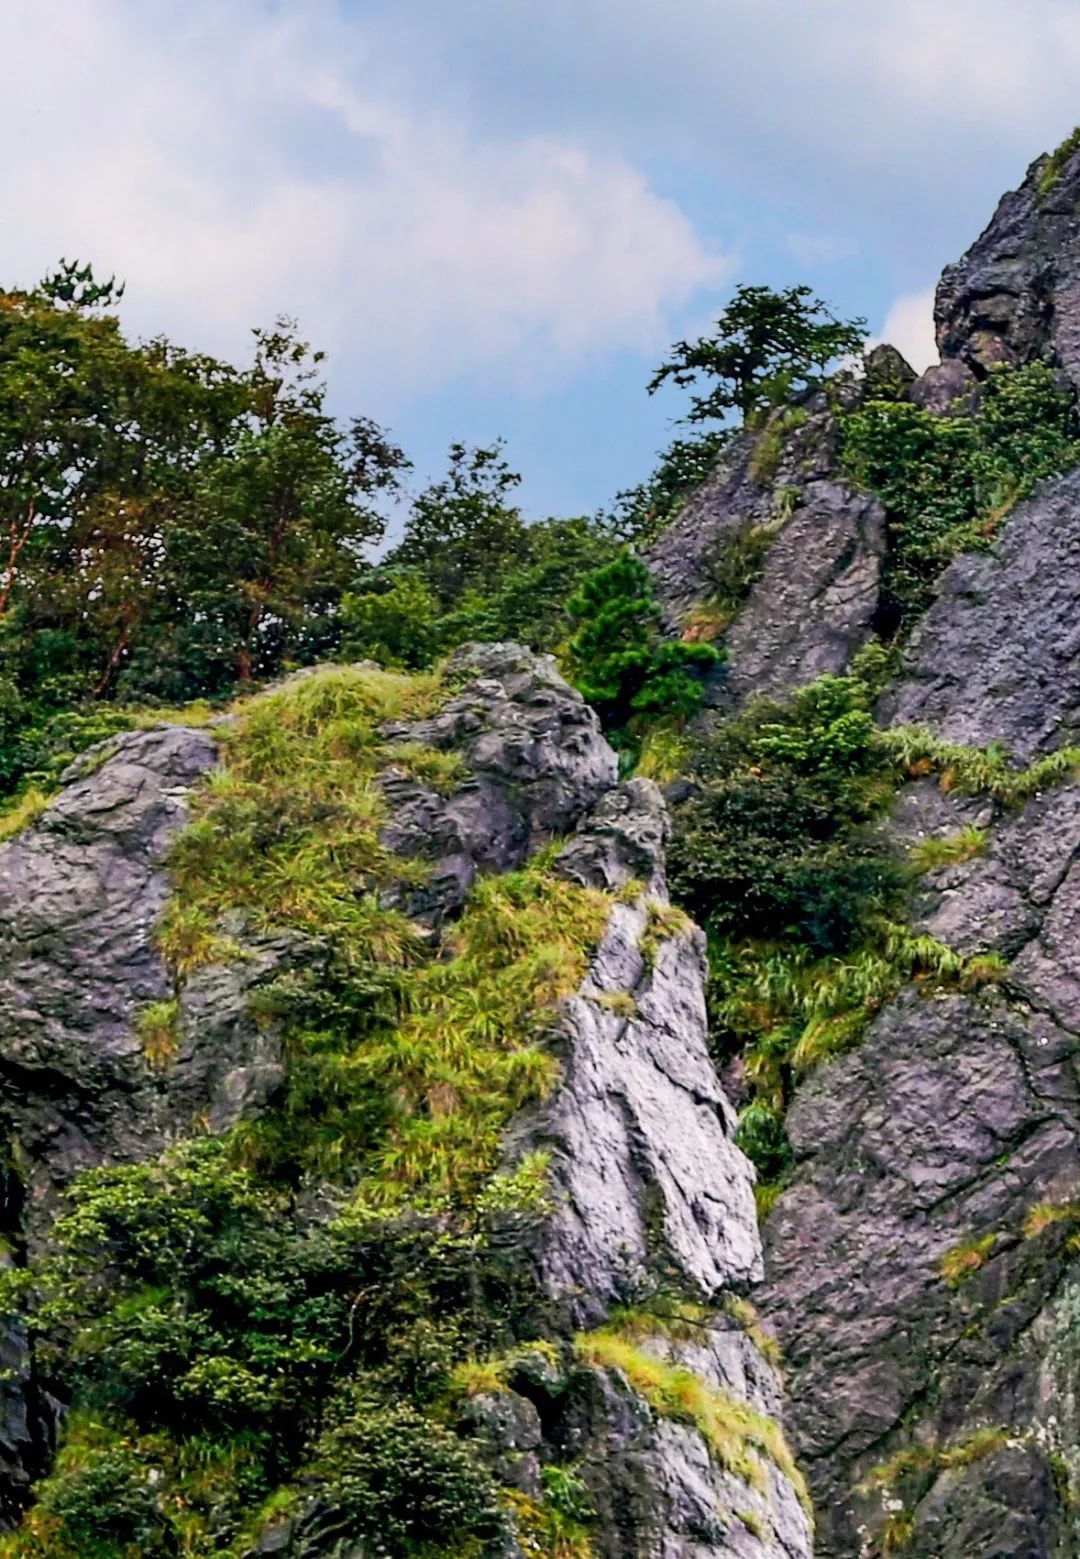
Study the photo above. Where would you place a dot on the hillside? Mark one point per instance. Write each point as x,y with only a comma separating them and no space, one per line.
562,1042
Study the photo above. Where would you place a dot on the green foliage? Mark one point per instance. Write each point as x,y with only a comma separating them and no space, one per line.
975,771
947,482
737,1435
463,532
293,1301
777,855
404,1482
404,1066
947,849
767,348
619,658
1054,166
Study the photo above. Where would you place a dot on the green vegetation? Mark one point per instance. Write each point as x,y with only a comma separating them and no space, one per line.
948,482
767,348
642,512
215,1334
966,1258
778,857
737,1435
948,849
1054,166
619,657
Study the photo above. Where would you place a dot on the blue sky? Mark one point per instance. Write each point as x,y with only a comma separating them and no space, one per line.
496,214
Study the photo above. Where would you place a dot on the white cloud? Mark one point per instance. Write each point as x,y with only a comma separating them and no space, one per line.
234,162
909,326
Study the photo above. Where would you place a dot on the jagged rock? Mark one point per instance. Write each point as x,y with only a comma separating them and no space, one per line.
817,594
534,760
944,388
957,1114
1015,295
813,606
645,1175
646,1180
954,1117
80,897
997,657
887,373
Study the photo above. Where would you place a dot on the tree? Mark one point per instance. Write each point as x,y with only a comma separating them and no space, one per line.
767,347
620,660
463,532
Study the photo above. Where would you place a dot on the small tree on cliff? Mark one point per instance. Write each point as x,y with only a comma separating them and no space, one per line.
767,346
619,658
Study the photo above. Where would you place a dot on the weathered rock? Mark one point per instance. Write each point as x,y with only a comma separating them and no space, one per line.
645,1174
646,1180
997,657
946,388
533,758
80,897
1015,295
953,1119
813,605
815,602
649,1190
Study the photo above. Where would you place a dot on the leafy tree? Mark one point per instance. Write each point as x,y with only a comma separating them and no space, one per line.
463,532
619,657
767,347
170,525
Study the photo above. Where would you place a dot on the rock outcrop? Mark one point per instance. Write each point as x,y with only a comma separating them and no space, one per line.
646,1183
811,604
1015,295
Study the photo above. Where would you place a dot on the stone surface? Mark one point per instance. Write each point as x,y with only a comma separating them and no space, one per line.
954,1118
645,1174
813,606
646,1180
944,388
997,657
1015,295
957,1115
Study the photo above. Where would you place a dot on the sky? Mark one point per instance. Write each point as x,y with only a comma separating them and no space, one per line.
496,215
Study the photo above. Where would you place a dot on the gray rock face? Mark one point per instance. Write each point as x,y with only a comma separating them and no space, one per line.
944,388
534,760
646,1181
955,1117
80,897
1015,295
814,603
915,1304
813,606
645,1175
997,657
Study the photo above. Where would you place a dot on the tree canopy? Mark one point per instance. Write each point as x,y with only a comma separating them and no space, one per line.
767,346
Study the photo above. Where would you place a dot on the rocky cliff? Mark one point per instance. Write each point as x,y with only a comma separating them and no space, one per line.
361,1016
667,1411
921,1266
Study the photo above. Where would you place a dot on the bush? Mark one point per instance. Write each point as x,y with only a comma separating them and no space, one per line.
619,658
401,1481
947,482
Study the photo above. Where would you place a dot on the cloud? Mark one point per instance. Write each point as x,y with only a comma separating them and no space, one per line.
909,326
234,160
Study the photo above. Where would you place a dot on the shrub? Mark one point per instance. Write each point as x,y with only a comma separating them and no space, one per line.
947,482
618,656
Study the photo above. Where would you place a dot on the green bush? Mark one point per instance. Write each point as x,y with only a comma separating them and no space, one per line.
947,482
403,1482
619,658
